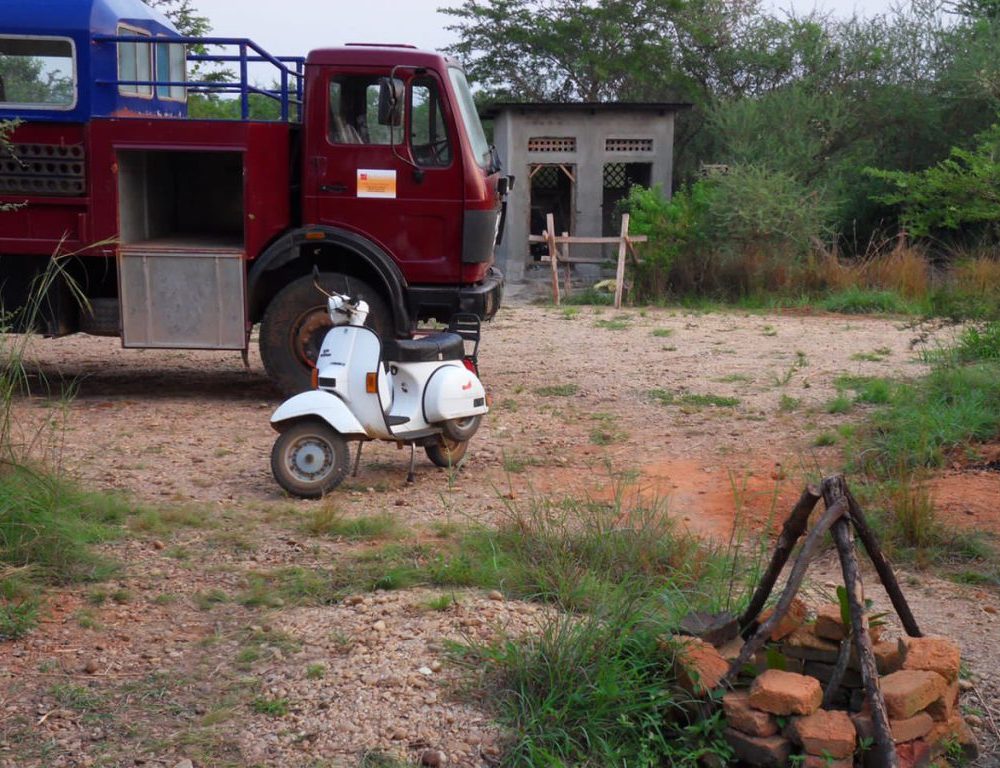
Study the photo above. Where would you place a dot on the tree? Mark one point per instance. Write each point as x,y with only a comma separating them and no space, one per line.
183,15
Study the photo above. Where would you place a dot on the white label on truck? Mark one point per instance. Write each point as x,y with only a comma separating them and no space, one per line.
376,183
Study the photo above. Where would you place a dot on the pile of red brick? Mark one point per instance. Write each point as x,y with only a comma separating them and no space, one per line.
778,712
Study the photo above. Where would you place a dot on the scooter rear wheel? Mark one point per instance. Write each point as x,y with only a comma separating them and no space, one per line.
446,453
309,459
461,430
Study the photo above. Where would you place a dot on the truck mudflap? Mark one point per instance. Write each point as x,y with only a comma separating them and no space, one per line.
442,301
321,405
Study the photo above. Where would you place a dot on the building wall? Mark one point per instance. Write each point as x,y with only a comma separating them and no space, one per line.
512,131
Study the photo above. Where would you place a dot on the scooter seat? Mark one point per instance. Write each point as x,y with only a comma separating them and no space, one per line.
426,349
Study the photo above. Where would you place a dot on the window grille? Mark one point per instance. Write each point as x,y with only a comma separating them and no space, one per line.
628,145
552,144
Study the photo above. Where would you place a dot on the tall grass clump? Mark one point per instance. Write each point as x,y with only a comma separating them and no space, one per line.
47,524
596,691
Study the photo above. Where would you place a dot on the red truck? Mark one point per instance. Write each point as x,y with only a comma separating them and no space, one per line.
188,232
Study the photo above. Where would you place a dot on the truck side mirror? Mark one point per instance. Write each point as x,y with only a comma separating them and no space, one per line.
390,101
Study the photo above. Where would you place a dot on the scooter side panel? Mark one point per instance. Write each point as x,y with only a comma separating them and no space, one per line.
453,392
319,404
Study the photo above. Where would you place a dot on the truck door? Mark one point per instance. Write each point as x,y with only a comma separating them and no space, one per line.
400,186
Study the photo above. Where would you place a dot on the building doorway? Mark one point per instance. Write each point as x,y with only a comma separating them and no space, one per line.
553,190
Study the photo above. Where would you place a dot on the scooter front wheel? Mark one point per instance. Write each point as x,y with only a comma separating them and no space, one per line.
447,453
309,459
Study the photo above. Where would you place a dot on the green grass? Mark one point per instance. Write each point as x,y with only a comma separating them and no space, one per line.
328,521
825,439
877,356
859,301
270,707
787,404
663,333
665,397
842,403
616,324
558,390
596,691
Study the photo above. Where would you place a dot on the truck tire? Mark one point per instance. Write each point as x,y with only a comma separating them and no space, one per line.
295,322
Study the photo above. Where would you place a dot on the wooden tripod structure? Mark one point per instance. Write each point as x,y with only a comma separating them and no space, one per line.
843,517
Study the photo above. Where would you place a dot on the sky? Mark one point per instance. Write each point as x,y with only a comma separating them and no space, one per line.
294,27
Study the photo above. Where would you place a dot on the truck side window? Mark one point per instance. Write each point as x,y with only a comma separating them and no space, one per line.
428,132
37,72
135,62
171,67
354,112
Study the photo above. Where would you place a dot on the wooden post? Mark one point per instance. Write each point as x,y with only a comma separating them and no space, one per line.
791,531
550,235
569,268
620,274
835,492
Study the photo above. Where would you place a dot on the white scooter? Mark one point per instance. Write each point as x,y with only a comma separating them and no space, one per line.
423,391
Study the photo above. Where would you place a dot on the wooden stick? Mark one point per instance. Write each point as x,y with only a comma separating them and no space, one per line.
791,531
883,567
754,644
565,259
839,670
579,240
550,231
620,274
835,492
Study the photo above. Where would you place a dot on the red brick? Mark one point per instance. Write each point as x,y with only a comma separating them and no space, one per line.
741,716
911,728
888,656
825,733
815,761
769,752
943,708
908,691
803,644
792,620
731,651
934,654
829,624
914,754
953,729
786,693
698,666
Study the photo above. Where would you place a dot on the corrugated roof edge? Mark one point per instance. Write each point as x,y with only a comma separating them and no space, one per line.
584,106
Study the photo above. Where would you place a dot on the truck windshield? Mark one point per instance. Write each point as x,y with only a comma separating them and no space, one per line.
470,116
37,72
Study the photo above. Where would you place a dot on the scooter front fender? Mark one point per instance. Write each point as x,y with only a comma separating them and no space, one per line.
318,404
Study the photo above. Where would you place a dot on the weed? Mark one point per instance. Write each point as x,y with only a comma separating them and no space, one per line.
328,521
270,707
617,324
787,404
878,356
97,597
825,439
121,596
165,598
665,397
840,404
516,464
205,601
163,521
769,330
860,301
570,313
77,697
735,378
17,618
87,619
441,603
663,333
558,390
316,671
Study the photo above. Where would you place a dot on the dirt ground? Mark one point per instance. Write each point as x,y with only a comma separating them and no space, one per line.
168,671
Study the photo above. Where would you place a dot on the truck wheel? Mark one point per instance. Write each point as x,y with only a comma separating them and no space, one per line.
309,459
295,322
447,453
461,430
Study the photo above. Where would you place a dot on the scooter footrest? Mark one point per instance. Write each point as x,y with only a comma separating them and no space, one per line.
396,421
426,349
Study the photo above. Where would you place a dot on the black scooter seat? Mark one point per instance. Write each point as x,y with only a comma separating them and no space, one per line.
426,349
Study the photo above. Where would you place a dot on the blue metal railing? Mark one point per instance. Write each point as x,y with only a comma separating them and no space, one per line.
290,71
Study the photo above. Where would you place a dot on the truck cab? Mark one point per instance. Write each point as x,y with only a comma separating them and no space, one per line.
367,163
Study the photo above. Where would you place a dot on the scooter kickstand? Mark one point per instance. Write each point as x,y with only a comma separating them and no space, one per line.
357,459
411,476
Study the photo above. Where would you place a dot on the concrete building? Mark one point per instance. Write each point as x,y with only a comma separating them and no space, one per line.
576,161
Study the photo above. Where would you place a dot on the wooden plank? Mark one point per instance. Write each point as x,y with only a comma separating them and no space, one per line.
566,261
620,274
550,230
588,240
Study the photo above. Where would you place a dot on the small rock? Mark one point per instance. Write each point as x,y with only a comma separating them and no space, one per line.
495,595
433,758
91,667
185,763
398,734
379,626
158,545
966,685
425,671
435,666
